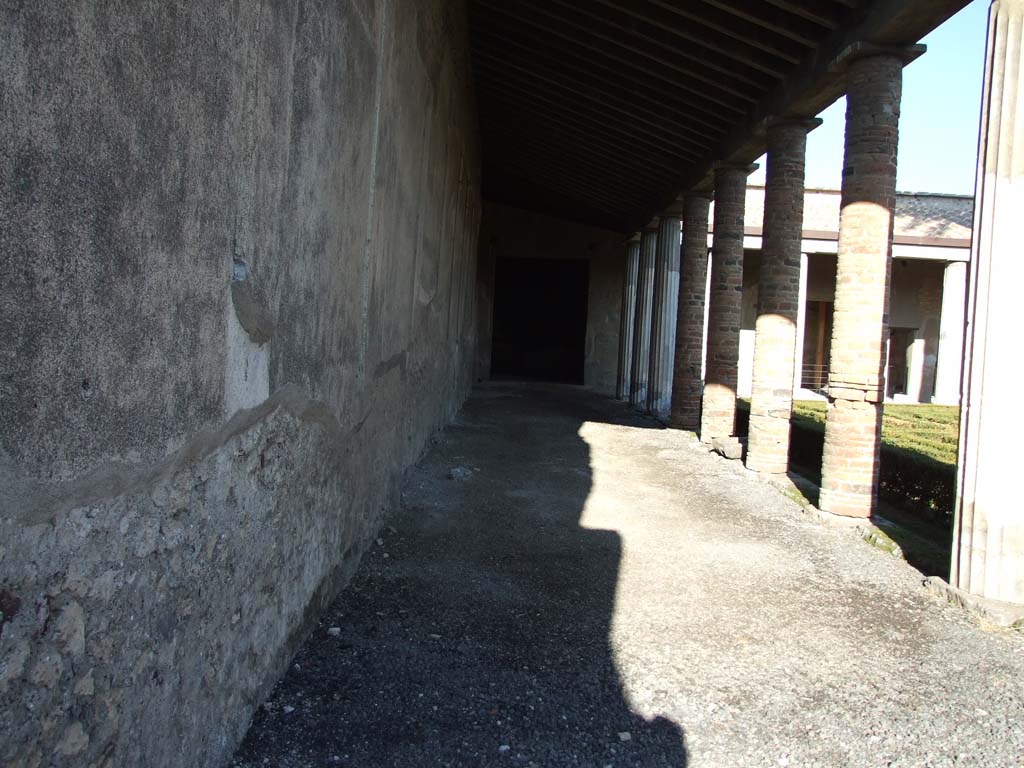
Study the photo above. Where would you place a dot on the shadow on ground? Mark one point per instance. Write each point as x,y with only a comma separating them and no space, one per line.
926,541
477,630
926,545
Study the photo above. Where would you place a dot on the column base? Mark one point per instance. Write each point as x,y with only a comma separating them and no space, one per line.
849,463
846,503
718,412
729,447
767,468
638,398
997,612
687,425
768,443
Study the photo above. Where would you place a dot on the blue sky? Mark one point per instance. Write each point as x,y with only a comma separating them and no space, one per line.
938,115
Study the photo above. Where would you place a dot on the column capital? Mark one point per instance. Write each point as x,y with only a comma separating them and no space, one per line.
652,225
783,121
697,206
746,168
864,50
634,238
675,209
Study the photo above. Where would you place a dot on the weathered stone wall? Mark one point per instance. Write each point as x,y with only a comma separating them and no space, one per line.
238,243
507,232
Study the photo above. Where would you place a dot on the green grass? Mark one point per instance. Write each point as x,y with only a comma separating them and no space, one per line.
930,430
917,473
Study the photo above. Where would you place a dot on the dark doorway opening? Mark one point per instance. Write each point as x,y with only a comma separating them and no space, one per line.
900,341
540,319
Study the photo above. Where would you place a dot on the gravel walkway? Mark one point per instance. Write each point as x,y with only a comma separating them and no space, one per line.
567,585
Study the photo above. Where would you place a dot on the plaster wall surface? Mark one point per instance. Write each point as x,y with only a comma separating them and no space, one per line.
508,232
239,252
916,303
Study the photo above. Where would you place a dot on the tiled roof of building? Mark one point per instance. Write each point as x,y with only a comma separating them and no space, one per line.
924,215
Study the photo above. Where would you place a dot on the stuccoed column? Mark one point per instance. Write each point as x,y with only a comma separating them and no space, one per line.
988,549
663,316
801,325
688,361
627,318
949,365
642,324
725,300
771,398
849,469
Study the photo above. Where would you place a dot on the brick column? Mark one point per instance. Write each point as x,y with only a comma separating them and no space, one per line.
687,378
778,298
988,548
663,316
718,412
849,468
627,318
642,324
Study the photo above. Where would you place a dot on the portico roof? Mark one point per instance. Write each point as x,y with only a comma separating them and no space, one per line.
603,111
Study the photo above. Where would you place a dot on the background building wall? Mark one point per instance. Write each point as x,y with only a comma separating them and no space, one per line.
239,254
508,232
916,303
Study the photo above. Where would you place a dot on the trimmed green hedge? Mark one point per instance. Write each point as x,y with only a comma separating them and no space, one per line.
908,480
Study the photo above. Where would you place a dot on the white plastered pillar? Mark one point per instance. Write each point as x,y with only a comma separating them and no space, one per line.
988,548
949,365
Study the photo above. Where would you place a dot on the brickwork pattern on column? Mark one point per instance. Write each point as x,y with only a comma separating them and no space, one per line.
663,318
771,399
627,318
642,324
725,300
860,322
687,381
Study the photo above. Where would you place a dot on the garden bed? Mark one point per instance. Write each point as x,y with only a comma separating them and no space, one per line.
918,454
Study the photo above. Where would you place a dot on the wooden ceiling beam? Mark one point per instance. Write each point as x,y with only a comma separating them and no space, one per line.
776,20
606,47
525,194
641,175
722,73
719,46
494,143
547,176
589,76
662,122
815,12
598,122
815,85
611,108
509,111
552,173
743,32
596,74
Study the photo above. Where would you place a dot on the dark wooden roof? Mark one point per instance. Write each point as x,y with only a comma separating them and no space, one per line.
603,111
